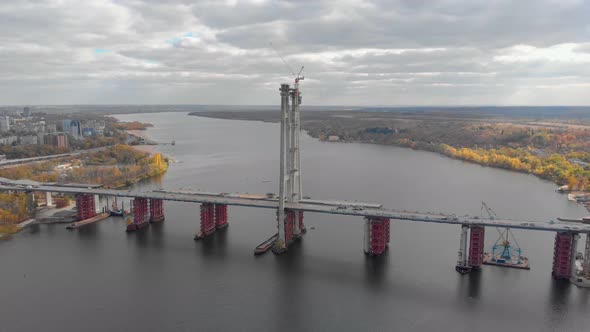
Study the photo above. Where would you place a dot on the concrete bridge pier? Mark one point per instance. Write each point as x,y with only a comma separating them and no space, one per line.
376,239
156,210
140,214
48,199
582,279
462,256
85,206
97,208
586,265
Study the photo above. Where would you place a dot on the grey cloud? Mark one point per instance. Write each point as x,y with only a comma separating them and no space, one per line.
401,52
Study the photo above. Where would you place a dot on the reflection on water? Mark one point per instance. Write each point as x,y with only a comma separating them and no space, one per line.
376,270
470,287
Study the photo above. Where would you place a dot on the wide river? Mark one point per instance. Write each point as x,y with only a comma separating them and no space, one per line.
100,278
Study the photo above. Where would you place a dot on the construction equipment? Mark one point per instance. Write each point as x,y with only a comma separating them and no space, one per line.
505,252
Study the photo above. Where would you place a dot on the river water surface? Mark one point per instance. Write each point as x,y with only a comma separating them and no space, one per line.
99,278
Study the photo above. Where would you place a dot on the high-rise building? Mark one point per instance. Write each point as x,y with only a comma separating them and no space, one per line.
41,138
72,127
27,112
57,139
4,123
75,129
65,127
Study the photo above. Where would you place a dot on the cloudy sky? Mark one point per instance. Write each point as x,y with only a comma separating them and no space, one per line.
380,52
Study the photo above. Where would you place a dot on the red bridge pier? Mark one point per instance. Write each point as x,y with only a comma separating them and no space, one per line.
85,205
221,216
156,210
376,235
470,254
140,214
564,255
476,246
213,217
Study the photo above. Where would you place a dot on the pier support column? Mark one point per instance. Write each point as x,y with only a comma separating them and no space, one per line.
97,208
296,226
85,206
207,221
48,199
280,244
586,265
140,214
562,255
376,235
156,210
294,221
575,238
302,229
462,257
476,246
287,228
221,216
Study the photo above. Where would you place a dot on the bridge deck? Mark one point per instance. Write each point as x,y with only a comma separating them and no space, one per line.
340,208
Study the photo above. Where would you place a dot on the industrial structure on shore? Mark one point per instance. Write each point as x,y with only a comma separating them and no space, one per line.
290,207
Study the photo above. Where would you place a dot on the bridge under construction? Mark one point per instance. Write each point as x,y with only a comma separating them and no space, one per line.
290,205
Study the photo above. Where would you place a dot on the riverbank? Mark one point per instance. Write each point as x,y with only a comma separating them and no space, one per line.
10,229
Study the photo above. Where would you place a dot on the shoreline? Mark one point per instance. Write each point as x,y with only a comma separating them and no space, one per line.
416,148
137,133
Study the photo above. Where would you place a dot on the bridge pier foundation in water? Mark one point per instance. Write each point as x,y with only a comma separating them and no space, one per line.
213,217
85,206
140,214
376,231
564,253
293,227
476,246
156,210
471,248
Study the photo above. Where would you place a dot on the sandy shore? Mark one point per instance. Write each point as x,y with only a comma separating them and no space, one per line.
151,149
138,133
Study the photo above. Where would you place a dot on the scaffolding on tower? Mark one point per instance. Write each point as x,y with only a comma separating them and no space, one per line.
505,252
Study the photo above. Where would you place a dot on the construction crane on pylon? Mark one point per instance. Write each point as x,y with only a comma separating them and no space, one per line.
297,76
505,252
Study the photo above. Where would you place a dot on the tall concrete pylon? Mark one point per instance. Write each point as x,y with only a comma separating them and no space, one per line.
290,188
281,244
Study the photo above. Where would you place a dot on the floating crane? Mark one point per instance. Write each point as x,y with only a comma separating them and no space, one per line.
505,252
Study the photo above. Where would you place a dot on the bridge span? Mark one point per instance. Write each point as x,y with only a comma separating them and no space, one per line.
148,207
290,206
360,209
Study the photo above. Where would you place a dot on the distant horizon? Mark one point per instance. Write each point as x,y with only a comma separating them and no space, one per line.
303,105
